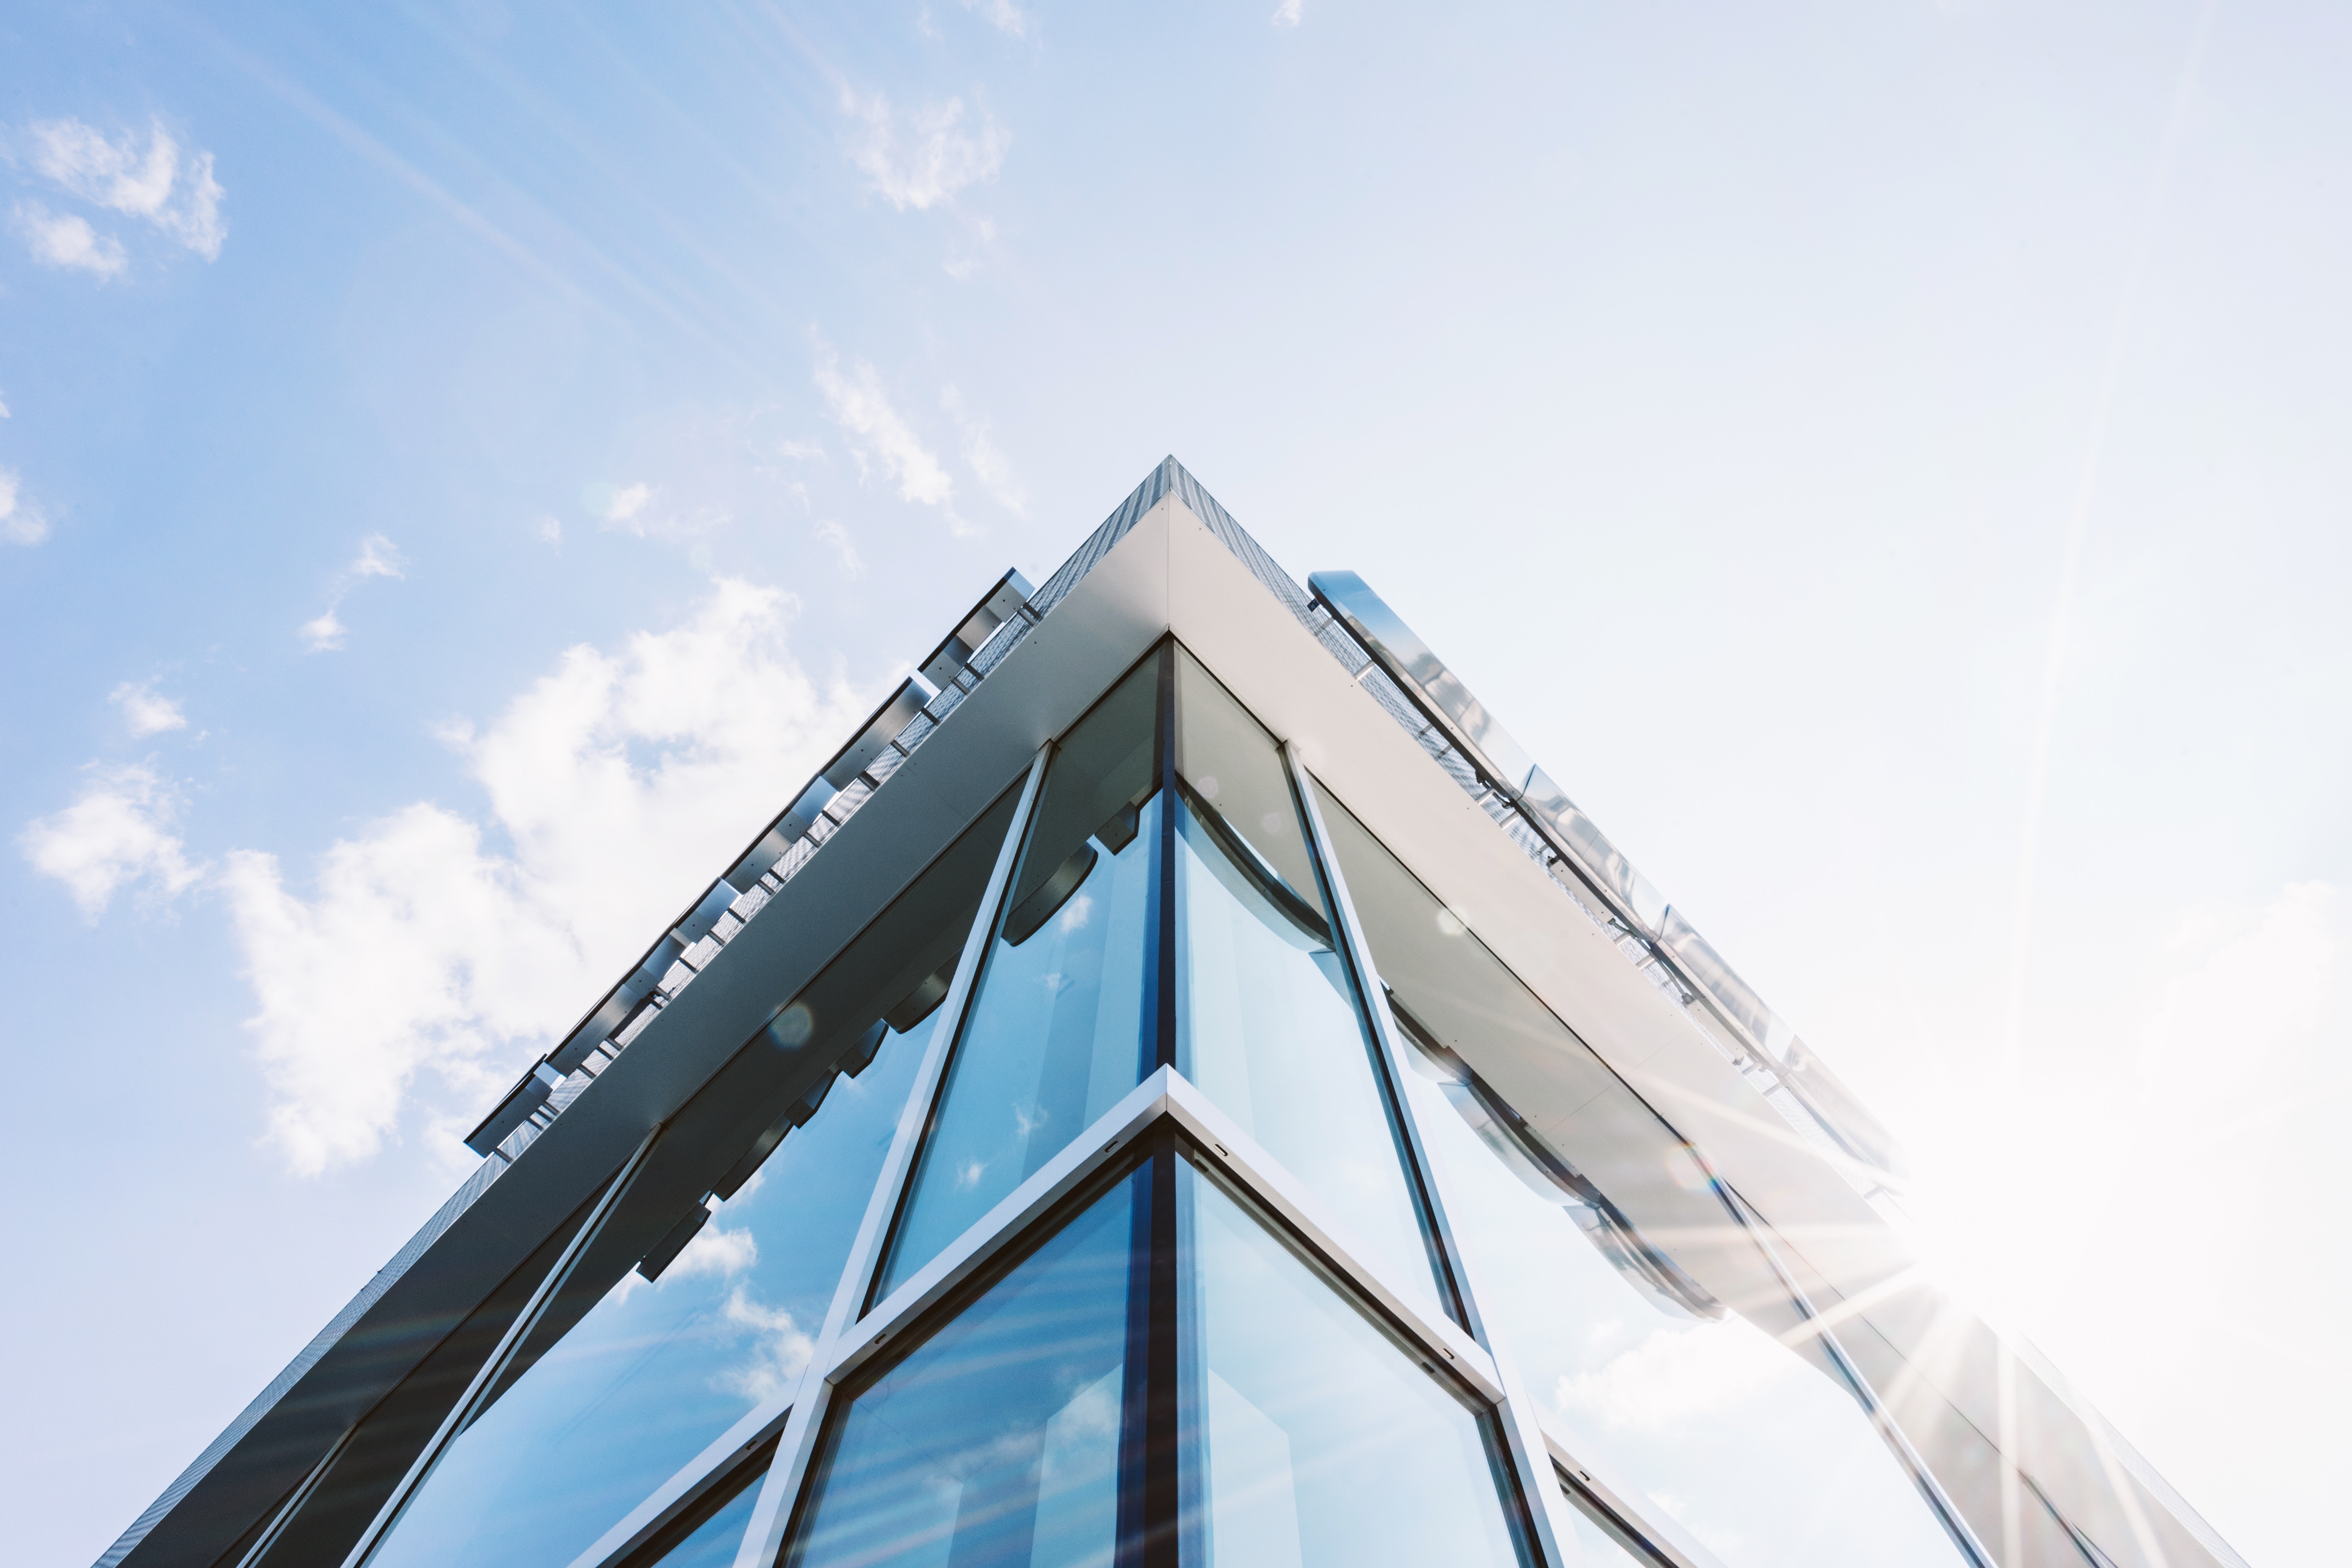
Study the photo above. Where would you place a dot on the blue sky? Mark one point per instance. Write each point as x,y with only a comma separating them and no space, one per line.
462,463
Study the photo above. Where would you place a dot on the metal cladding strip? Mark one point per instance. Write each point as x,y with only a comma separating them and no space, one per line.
320,1343
1503,768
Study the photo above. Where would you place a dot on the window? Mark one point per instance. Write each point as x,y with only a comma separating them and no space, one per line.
1269,1026
1057,1027
1321,1442
1755,1450
997,1441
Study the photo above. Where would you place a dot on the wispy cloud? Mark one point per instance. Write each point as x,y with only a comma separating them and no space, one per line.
424,966
1286,14
929,157
378,557
175,192
65,241
1004,15
832,534
879,436
146,712
118,832
989,465
324,633
21,523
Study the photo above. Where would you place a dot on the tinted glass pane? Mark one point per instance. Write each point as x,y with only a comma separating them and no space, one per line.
713,1543
1321,1443
1267,1020
1057,1032
996,1444
1752,1449
658,1368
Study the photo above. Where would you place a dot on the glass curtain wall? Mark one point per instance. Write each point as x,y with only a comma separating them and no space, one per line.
1162,1381
1059,1028
1268,1023
1757,1451
650,1351
1168,911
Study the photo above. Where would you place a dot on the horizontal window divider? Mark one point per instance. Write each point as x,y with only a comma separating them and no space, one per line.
1112,1134
1445,1342
1168,1095
691,1484
1667,1538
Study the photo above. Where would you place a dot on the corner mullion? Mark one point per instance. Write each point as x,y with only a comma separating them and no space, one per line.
763,1538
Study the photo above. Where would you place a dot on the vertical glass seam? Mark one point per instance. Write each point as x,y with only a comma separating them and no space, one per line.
778,1504
1163,869
1523,1449
487,1376
1372,1008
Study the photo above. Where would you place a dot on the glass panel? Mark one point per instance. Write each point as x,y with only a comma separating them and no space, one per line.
1593,1544
1057,1032
1750,1447
1322,1444
713,1543
659,1368
1269,1028
996,1442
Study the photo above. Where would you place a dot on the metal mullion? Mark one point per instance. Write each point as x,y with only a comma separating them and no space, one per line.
1663,1539
1555,1540
1101,1144
1939,1502
688,1485
763,1538
293,1504
474,1399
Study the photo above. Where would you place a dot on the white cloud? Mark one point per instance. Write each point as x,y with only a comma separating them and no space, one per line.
1286,14
715,1250
779,1355
378,557
627,502
117,832
1002,14
550,530
1676,1373
427,966
4,408
932,160
991,466
832,534
66,241
21,523
146,712
119,177
324,635
877,433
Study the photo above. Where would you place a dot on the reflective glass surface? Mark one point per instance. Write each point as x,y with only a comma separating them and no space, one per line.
1751,1450
1267,1021
1320,1442
713,1543
996,1444
1591,1545
658,1368
1754,1450
1056,1031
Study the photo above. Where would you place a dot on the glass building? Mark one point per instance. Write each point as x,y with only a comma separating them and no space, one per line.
1180,1088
